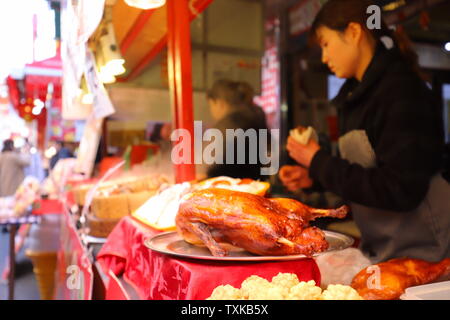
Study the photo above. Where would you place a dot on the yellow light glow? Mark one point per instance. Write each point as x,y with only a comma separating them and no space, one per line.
106,76
88,98
50,152
145,4
115,67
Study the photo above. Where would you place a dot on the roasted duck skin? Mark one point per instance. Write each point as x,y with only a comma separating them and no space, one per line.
259,225
395,275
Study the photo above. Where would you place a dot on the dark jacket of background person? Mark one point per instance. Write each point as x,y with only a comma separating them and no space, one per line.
242,114
12,166
248,117
63,153
404,126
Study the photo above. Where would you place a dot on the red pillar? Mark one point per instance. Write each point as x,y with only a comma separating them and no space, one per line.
180,78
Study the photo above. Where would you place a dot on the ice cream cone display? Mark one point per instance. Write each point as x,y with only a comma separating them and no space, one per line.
44,268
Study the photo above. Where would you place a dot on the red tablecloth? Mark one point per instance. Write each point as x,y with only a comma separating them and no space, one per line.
47,206
159,276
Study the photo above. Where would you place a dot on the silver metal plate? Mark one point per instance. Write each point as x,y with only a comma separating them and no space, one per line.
172,243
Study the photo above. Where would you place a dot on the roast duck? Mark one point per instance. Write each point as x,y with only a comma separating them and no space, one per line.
388,280
260,225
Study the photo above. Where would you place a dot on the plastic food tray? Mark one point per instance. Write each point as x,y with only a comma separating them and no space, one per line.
433,291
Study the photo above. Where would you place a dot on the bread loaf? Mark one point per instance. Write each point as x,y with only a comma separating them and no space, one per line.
99,227
110,207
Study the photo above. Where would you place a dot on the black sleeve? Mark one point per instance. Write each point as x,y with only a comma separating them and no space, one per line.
408,152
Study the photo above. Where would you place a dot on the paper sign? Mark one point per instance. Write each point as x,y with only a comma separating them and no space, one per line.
88,146
102,105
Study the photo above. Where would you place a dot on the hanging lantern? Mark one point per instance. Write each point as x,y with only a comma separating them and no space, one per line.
145,4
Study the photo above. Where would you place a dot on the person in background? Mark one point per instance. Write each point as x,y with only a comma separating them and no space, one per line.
248,94
160,135
231,106
35,168
391,145
63,151
12,168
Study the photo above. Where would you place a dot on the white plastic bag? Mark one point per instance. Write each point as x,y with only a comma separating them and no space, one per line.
340,267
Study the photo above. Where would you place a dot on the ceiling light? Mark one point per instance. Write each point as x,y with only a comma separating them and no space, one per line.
19,142
106,76
115,67
394,5
38,103
50,152
36,111
88,98
447,46
108,52
104,72
145,4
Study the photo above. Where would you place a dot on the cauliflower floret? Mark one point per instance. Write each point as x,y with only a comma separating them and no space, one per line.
282,283
287,280
225,292
305,291
340,292
284,286
268,293
253,287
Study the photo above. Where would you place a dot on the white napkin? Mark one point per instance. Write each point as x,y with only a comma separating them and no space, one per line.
303,138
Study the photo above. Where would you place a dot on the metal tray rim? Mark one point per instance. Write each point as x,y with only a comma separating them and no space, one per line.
149,243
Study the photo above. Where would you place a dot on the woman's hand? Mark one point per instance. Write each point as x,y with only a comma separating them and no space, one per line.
295,177
301,153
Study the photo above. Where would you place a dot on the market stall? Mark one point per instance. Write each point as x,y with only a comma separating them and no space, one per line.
189,238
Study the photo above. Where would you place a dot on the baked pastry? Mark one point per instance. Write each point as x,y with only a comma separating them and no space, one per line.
113,206
100,227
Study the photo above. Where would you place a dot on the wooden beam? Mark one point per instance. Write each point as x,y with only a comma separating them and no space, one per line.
200,6
145,60
135,30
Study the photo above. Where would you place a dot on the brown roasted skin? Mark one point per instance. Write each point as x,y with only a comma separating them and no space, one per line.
259,225
388,280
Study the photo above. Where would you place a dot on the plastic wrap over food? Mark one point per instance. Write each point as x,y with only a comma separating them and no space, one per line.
339,267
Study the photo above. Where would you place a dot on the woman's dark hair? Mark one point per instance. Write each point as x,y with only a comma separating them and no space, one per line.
236,93
156,133
338,14
8,145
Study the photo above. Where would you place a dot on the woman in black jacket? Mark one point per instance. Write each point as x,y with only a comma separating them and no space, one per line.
231,106
391,140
